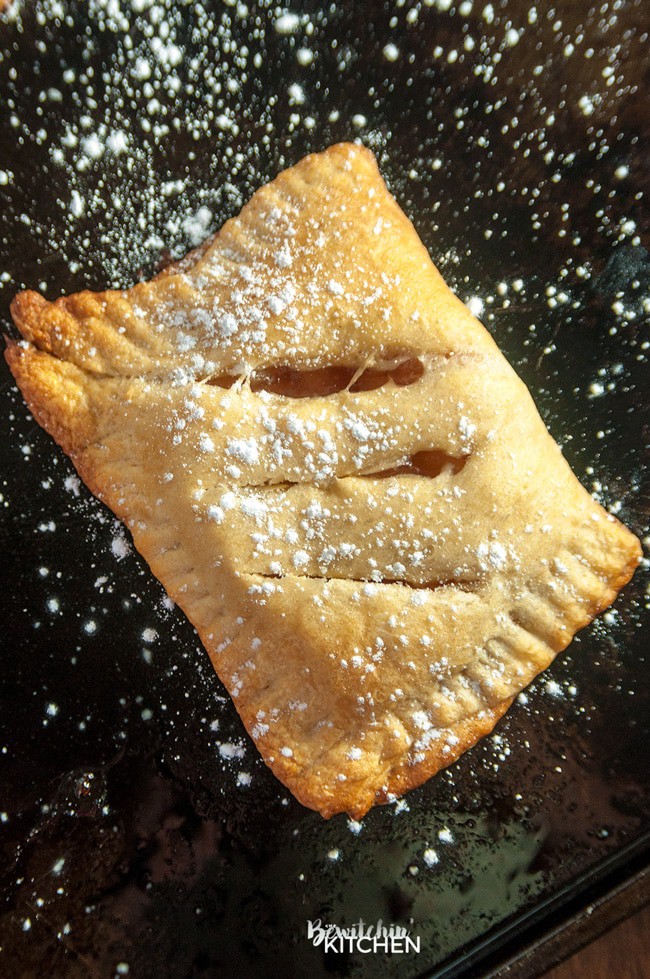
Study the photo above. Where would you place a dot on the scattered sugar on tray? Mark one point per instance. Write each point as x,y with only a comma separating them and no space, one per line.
77,205
120,545
430,857
304,56
73,484
196,226
296,94
287,22
553,688
230,751
475,305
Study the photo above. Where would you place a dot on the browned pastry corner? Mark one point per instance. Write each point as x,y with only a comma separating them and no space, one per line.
334,472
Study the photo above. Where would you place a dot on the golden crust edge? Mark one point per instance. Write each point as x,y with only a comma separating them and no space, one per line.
405,776
59,403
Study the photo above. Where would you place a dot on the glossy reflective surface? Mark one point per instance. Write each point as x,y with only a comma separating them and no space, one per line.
139,828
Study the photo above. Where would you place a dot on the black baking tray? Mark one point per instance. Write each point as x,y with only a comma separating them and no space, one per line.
516,139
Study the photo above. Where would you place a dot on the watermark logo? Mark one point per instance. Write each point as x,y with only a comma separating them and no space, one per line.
362,938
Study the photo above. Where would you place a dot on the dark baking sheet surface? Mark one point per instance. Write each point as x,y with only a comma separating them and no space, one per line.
514,138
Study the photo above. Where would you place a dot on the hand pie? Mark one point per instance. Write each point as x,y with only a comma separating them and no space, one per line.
334,472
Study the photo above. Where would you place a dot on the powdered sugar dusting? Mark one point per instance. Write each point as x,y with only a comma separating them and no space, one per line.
213,122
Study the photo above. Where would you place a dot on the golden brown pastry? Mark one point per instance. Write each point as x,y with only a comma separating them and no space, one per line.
334,472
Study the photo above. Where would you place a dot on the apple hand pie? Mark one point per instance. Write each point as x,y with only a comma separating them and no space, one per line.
335,473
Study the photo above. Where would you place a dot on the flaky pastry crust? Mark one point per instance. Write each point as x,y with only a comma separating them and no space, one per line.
335,473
